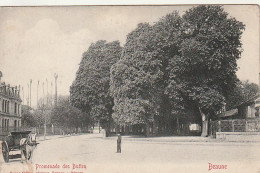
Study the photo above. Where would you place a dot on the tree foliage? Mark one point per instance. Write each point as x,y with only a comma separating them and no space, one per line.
65,115
136,78
204,73
90,90
28,119
205,70
243,91
178,65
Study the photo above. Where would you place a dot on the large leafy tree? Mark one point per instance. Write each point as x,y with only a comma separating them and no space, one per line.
167,42
90,90
139,79
136,79
204,72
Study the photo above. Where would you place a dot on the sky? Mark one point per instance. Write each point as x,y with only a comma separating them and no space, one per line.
37,42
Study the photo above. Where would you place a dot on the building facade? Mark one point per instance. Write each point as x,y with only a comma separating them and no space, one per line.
10,108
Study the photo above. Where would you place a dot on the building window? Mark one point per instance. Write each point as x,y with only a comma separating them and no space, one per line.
3,123
15,124
257,112
18,107
7,125
3,105
8,106
15,108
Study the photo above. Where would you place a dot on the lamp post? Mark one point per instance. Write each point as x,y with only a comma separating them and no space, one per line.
28,98
56,95
31,93
37,94
51,94
23,96
47,101
43,111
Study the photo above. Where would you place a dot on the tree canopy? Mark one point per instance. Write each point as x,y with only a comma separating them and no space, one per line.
65,115
243,91
178,64
181,67
204,72
28,118
90,90
135,79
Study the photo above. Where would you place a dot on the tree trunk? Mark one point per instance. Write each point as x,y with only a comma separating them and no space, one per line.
155,127
205,124
77,130
108,127
147,129
117,129
178,126
98,126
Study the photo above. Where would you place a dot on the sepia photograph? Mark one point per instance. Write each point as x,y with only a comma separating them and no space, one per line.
130,88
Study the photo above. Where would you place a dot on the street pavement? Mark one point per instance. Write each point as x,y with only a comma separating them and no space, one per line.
95,154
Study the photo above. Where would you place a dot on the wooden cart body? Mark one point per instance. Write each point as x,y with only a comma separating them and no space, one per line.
12,143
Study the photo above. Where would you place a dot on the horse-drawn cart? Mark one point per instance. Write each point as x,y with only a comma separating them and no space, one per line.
17,141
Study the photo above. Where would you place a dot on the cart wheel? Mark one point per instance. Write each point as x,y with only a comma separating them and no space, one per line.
5,152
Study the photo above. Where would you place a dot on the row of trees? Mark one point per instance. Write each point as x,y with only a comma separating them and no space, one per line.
67,117
63,116
179,68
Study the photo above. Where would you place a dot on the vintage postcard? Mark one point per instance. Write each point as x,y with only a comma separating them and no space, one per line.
130,89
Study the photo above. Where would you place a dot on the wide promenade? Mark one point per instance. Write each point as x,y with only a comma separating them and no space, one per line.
95,154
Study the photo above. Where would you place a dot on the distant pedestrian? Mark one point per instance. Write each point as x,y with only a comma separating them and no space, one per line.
119,143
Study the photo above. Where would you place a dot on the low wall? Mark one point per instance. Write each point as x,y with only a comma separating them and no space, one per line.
239,136
235,125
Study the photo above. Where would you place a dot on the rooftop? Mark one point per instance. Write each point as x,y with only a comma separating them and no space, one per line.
9,91
229,113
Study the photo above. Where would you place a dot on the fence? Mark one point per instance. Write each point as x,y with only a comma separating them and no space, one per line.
40,130
235,125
